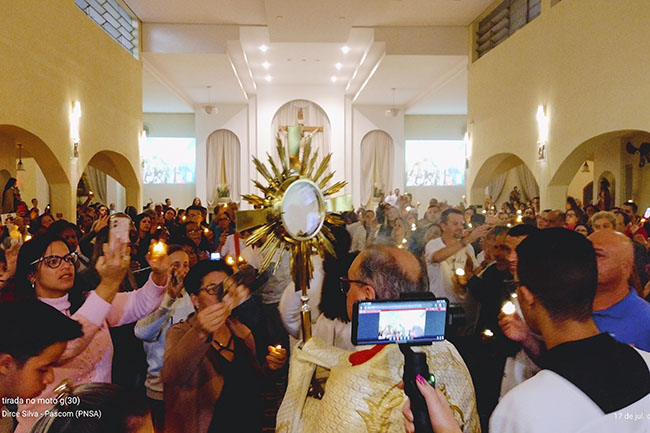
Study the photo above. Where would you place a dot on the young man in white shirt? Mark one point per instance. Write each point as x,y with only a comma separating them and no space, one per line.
589,381
447,255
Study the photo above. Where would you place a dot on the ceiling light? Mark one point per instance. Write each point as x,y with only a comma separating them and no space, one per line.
210,108
345,49
20,166
333,78
268,78
266,65
338,66
264,48
393,111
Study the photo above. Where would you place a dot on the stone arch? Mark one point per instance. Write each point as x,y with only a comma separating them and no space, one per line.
61,198
120,168
376,162
590,149
287,114
494,166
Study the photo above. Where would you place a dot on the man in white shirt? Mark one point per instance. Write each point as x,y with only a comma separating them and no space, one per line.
449,256
365,234
392,198
590,382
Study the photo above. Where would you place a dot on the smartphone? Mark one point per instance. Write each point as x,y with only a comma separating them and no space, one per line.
215,256
119,230
646,214
408,321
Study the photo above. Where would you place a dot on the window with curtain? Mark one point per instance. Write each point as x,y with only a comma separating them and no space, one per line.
223,164
376,163
313,115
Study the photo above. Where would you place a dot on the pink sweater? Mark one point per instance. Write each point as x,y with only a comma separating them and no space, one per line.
89,358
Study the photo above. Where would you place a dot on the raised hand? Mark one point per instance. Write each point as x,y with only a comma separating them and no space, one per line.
212,318
277,358
112,268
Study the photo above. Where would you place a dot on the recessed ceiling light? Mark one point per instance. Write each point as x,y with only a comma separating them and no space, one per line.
268,78
345,49
333,78
266,65
279,17
338,66
264,48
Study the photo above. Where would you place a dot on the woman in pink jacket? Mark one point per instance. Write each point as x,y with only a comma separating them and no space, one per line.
46,270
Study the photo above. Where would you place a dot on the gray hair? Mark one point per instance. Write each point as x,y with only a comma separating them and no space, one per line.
380,268
603,215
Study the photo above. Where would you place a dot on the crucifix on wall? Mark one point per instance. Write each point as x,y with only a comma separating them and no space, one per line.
297,134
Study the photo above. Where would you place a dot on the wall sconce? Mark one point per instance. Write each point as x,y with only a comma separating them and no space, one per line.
542,126
74,128
20,166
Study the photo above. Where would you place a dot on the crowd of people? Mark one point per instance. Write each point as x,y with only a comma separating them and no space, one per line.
173,328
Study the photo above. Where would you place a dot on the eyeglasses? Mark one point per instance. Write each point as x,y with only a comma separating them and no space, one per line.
217,290
345,284
55,261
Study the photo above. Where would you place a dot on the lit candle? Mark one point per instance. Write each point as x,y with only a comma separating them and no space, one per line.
205,230
159,249
27,237
183,218
483,211
509,308
518,211
519,218
508,225
513,296
460,272
408,208
488,333
240,259
278,346
413,227
404,240
230,261
469,225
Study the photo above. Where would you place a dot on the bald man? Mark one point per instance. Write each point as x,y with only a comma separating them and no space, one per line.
363,387
618,309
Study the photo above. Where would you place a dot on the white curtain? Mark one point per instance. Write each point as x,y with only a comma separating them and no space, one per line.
313,115
95,181
222,147
495,187
376,163
528,182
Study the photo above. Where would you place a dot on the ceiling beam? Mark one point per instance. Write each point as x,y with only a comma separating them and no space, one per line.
149,67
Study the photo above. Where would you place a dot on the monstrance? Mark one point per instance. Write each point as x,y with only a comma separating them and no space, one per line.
291,214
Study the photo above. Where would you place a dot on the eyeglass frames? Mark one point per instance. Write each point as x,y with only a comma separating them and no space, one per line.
344,284
55,261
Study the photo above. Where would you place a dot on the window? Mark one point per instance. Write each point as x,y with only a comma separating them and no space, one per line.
115,20
503,21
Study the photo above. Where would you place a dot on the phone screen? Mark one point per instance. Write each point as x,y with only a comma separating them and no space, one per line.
399,321
646,214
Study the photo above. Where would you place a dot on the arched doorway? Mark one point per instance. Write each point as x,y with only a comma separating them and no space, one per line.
376,164
43,177
312,115
498,175
223,151
607,159
112,179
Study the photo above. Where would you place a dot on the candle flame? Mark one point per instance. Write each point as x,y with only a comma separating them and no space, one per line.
509,308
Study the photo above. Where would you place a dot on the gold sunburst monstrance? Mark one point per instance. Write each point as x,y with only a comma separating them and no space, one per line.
291,213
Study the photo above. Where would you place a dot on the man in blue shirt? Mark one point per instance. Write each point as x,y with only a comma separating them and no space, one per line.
618,309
